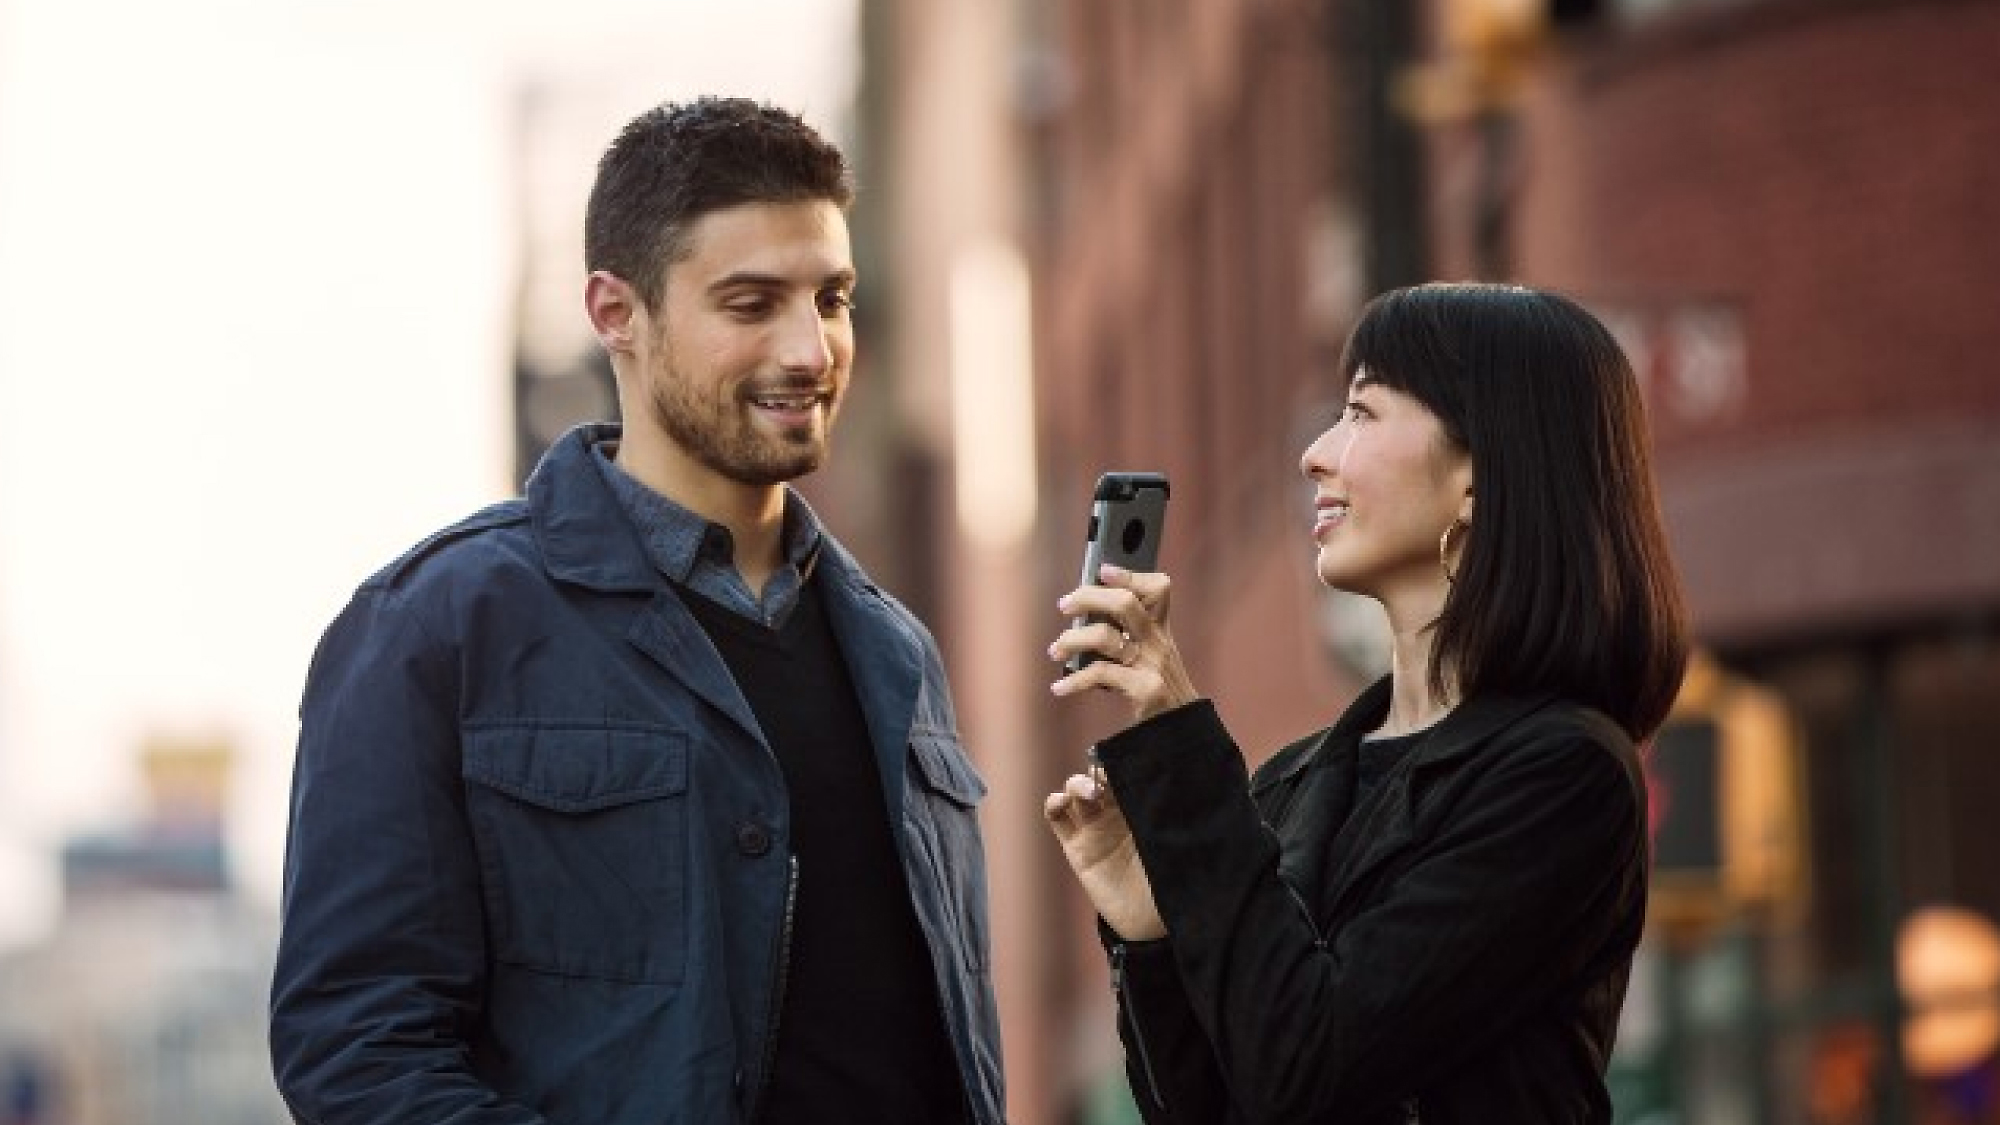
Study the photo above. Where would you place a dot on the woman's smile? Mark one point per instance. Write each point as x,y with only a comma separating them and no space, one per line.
1329,512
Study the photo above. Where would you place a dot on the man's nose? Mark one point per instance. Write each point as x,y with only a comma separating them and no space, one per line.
804,344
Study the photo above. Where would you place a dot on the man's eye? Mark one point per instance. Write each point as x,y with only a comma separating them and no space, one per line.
835,301
749,310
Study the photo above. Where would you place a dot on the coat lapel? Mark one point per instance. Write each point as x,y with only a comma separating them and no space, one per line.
883,659
666,632
587,541
1386,824
1316,792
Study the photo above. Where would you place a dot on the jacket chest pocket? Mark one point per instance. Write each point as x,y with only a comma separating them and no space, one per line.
942,816
582,835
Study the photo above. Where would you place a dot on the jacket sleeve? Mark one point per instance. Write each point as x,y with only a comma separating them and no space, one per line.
380,972
1168,1064
1498,908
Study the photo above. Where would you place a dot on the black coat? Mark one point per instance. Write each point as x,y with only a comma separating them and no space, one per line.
1453,950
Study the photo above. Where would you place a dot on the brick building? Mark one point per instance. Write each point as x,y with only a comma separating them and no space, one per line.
1782,207
1162,177
1786,209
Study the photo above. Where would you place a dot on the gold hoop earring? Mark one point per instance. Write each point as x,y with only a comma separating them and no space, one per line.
1444,549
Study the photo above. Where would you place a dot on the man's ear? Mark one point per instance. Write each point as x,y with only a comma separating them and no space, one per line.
615,311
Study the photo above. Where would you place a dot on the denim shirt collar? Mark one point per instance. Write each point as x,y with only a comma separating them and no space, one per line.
587,536
699,554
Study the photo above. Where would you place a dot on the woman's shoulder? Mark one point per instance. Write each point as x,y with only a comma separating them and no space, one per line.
1569,720
1562,731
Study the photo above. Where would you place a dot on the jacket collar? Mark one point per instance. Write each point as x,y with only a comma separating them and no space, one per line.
584,535
1462,729
1387,823
587,539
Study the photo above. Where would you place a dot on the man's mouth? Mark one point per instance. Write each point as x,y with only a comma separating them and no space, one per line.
790,400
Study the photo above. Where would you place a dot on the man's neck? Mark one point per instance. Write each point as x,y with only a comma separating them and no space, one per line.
754,514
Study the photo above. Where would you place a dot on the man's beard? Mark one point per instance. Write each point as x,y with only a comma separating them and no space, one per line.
716,430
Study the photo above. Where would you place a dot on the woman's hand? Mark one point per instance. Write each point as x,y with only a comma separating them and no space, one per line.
1136,655
1136,658
1099,846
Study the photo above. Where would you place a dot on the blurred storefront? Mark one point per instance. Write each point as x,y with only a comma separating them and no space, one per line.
1786,209
145,1006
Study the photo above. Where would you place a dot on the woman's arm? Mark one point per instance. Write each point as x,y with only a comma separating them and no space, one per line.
1499,908
1168,1061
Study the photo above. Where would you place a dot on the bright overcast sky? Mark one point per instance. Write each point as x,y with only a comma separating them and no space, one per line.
256,275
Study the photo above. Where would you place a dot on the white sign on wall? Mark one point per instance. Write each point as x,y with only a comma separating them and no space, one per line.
1689,355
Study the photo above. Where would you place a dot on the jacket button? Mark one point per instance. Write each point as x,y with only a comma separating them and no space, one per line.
752,838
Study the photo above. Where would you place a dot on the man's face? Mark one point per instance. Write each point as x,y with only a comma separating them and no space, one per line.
744,364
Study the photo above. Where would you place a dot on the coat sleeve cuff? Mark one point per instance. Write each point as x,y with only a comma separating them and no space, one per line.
1149,745
1177,756
1185,791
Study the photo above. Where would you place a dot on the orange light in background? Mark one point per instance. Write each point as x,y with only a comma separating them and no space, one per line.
1494,30
1749,799
1842,1088
1486,52
1948,970
187,781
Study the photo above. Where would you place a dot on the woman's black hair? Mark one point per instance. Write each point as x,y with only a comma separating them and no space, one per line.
1565,583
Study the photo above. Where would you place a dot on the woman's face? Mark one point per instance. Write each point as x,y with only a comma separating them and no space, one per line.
1386,482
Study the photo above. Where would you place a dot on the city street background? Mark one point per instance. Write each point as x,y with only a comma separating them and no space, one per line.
285,285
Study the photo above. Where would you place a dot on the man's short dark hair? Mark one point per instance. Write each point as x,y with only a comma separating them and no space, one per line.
679,161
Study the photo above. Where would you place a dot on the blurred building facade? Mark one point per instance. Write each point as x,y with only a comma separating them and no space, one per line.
1107,236
1785,209
146,1004
1782,207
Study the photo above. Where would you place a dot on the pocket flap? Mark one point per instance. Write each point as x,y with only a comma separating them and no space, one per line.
946,769
577,768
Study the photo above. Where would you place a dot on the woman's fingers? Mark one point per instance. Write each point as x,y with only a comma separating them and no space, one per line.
1126,611
1082,799
1150,590
1132,681
1126,632
1081,796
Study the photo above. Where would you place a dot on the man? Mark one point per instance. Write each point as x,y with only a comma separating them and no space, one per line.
633,800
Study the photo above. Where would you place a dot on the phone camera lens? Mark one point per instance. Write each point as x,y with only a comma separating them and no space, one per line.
1134,535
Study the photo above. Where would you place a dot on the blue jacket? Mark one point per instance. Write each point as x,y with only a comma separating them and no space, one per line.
538,866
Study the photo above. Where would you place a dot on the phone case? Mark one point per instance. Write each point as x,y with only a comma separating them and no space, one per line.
1128,514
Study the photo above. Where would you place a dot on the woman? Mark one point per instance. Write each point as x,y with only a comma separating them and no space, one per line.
1427,911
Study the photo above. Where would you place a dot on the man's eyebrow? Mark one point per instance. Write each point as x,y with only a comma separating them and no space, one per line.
843,277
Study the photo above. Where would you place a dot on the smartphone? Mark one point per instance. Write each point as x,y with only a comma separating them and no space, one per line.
1127,515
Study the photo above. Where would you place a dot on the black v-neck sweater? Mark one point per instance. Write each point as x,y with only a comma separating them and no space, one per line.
861,1038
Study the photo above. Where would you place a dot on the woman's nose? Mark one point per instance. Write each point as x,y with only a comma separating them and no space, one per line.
1315,462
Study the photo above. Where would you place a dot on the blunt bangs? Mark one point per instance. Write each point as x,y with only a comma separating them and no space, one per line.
1565,583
